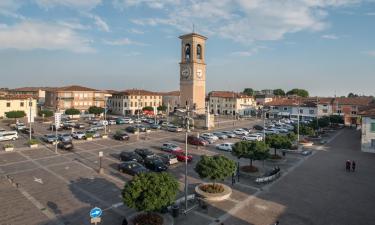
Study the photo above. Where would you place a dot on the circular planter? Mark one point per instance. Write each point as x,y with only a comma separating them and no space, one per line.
9,149
214,197
34,146
167,219
105,136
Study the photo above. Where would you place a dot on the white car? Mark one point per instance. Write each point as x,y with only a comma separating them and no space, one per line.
271,131
209,135
128,121
8,135
79,135
173,128
252,137
240,132
225,147
220,135
230,134
111,122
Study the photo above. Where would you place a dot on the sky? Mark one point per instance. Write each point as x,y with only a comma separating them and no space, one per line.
324,46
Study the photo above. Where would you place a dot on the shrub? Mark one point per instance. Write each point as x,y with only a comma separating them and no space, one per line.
9,146
33,142
212,188
46,113
89,135
72,111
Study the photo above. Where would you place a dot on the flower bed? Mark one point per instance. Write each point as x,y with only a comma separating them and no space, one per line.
249,169
215,197
148,219
212,188
275,157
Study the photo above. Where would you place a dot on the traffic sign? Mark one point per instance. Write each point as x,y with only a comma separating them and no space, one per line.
105,123
95,212
57,119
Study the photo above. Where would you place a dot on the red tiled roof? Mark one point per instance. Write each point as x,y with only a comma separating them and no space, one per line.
31,89
16,97
367,111
291,102
171,93
137,92
358,101
227,94
74,88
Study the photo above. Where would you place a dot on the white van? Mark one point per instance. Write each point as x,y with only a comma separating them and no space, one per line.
8,135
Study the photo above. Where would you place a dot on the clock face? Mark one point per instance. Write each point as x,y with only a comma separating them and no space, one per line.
185,72
199,73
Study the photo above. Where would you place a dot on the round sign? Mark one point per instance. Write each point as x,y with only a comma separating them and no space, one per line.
105,123
95,212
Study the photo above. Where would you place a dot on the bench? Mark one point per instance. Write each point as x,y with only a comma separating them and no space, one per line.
267,179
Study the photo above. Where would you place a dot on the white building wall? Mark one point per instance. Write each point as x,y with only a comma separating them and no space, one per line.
368,136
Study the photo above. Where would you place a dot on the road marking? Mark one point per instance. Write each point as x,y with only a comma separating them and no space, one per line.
39,180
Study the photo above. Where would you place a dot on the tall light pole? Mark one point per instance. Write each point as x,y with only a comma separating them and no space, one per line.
187,119
298,122
264,125
30,106
105,114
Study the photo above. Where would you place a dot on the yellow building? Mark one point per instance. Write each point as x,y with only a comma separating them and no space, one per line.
230,103
18,103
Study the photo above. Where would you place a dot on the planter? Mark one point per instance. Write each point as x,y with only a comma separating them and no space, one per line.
167,219
214,197
34,146
9,149
89,139
105,136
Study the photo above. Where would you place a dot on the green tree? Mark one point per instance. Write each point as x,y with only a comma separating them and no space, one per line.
279,92
336,119
150,192
322,122
15,114
305,130
46,113
72,111
162,108
292,137
352,95
148,108
299,92
96,110
277,141
252,150
217,167
248,91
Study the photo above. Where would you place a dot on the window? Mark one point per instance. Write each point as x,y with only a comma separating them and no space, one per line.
372,128
325,110
301,111
199,51
8,104
187,52
339,111
354,112
22,104
285,108
131,104
373,143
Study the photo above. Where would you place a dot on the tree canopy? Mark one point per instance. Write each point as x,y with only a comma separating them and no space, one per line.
46,113
148,108
72,111
248,91
279,92
305,130
15,114
278,141
298,92
96,110
252,150
150,192
162,108
217,167
336,119
322,122
352,95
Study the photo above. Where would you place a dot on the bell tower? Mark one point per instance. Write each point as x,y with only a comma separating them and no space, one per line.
193,72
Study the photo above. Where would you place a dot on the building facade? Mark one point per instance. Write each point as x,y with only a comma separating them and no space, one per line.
25,103
193,72
130,102
262,99
37,92
230,103
78,97
171,100
368,130
349,108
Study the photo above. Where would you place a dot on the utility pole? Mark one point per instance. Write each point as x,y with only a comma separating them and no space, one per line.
30,106
187,118
298,123
105,115
264,124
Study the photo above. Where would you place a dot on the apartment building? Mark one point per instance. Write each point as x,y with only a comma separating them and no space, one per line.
18,103
291,108
129,102
262,99
349,108
368,129
78,97
230,103
37,92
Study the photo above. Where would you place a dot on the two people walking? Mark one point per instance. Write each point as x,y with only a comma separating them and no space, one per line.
350,165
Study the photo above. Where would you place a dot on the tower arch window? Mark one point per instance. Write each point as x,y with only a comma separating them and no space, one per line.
199,51
187,52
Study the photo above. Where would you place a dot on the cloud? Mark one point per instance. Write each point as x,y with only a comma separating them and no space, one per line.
370,53
135,31
123,41
244,21
370,14
77,4
99,22
73,24
330,36
29,35
154,4
250,52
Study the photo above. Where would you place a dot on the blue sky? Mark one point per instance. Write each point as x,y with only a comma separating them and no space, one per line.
325,46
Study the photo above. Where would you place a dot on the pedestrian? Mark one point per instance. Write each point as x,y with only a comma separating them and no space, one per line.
353,165
124,221
277,222
347,165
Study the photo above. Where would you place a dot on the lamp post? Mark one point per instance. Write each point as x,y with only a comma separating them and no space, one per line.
187,120
264,125
30,105
298,122
105,115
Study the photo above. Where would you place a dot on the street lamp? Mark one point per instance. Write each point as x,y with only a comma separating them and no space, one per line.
105,115
30,106
187,120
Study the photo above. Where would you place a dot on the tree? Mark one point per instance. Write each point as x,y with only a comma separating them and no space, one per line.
299,92
72,111
252,150
322,122
148,108
336,119
279,92
248,91
305,130
217,167
351,95
277,141
292,137
15,114
96,110
46,113
162,108
150,192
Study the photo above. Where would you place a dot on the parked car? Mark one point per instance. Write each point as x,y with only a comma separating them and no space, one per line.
49,138
210,140
258,127
240,131
8,135
271,131
141,127
68,125
131,129
193,140
209,135
252,137
20,126
230,134
94,133
169,147
182,157
79,126
281,130
132,168
155,164
79,135
64,137
111,122
121,137
52,127
27,130
65,145
168,159
155,126
97,127
130,156
173,128
225,146
144,152
220,135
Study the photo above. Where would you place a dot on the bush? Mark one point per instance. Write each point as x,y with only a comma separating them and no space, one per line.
9,146
72,111
212,188
15,114
46,113
148,219
96,110
33,142
148,108
89,135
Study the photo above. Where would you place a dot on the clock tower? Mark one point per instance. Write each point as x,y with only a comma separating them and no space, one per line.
193,72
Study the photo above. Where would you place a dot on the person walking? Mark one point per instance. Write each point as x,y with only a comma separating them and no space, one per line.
347,165
353,166
277,223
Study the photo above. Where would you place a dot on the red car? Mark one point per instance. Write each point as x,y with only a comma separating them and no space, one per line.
193,140
181,156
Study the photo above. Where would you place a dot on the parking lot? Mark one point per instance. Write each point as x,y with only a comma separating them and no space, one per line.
61,188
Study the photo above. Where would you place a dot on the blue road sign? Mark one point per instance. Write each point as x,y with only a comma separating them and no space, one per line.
95,212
